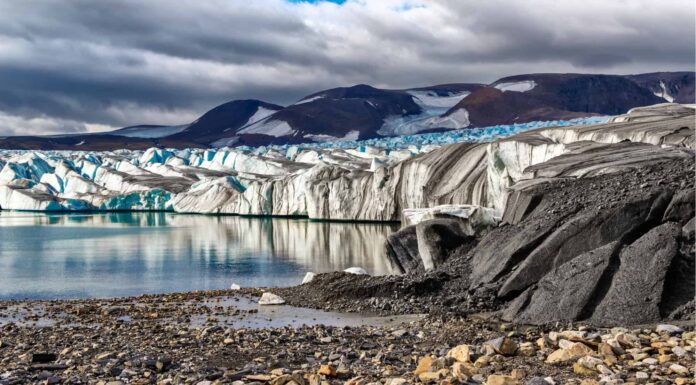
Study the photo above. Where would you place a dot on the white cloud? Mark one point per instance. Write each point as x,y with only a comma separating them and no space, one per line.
17,125
126,62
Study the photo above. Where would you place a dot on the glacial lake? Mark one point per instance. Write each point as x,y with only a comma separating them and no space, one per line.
49,256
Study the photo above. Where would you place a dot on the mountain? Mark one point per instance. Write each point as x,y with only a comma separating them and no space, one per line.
224,120
677,87
363,112
358,112
526,98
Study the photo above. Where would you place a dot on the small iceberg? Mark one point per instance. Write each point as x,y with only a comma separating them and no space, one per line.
271,299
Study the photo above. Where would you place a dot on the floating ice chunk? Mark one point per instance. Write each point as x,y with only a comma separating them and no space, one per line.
234,286
271,299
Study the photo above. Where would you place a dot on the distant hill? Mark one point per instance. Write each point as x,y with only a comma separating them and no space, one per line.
526,98
363,111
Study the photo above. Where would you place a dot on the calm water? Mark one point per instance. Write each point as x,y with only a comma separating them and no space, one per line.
121,254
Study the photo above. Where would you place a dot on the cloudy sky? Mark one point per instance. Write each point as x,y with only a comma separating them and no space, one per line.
84,65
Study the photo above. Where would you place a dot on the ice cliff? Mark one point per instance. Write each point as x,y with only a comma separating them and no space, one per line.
369,180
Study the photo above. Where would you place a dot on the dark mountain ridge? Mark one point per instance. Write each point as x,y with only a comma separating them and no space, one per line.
362,111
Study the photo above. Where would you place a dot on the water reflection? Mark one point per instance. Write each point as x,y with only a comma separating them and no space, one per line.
117,254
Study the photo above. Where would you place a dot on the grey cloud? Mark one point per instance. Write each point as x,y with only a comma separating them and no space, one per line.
79,65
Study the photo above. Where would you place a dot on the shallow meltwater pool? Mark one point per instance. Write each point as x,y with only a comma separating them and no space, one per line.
51,256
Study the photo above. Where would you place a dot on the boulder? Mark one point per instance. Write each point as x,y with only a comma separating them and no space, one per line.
271,299
583,233
437,238
681,207
564,293
402,250
637,288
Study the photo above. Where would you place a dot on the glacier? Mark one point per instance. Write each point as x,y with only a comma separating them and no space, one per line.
373,180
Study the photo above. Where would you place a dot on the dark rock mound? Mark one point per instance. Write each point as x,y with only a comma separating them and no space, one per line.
608,248
402,250
637,288
426,245
437,238
563,294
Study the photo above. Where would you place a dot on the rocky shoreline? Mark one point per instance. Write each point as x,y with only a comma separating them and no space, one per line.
152,340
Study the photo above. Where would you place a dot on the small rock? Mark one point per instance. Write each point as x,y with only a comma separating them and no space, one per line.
423,365
518,373
496,379
642,377
428,377
460,353
678,369
662,358
669,329
679,351
42,358
573,352
502,345
463,370
271,299
526,349
327,370
583,371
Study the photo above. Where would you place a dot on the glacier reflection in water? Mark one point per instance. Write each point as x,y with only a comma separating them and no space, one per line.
121,254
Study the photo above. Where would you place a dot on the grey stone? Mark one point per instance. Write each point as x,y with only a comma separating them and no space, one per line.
637,288
564,293
437,238
402,250
681,207
579,235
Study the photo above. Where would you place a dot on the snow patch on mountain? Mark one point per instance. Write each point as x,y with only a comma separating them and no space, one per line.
308,100
268,126
664,94
523,86
430,99
431,119
260,114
